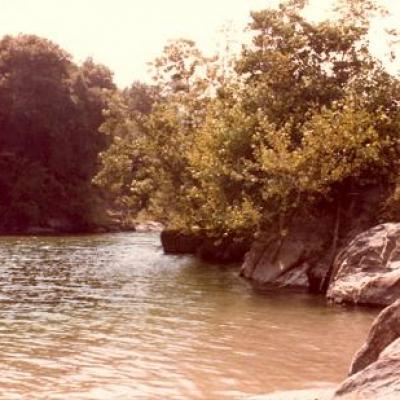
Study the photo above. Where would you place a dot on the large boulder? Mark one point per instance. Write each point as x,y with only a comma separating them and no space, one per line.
367,270
375,370
384,330
293,259
379,381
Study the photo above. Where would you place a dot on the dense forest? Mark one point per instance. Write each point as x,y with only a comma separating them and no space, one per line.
50,114
301,120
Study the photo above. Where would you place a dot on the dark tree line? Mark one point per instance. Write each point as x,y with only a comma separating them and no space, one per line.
50,112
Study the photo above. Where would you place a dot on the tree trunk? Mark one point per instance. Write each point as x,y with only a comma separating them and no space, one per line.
331,272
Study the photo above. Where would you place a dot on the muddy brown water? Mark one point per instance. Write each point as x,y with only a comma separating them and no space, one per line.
111,317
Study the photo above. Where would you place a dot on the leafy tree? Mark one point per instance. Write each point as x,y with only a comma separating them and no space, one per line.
152,129
50,111
309,118
141,98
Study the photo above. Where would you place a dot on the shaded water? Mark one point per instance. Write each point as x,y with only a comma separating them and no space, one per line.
110,317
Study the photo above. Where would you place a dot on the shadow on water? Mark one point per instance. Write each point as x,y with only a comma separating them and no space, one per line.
112,317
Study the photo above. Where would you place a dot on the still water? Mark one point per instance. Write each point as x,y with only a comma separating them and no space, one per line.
111,317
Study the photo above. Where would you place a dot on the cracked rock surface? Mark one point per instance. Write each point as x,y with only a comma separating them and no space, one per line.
367,270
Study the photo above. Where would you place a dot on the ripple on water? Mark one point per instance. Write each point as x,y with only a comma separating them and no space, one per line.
111,317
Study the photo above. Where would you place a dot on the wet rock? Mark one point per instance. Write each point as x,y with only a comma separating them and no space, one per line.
176,242
223,250
226,250
367,270
379,381
384,330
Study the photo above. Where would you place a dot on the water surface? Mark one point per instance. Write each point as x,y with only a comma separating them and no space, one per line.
111,317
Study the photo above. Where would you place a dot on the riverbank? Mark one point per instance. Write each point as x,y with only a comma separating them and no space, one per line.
225,249
316,394
375,369
63,228
365,270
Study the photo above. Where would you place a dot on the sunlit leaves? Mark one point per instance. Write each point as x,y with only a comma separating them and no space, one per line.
309,116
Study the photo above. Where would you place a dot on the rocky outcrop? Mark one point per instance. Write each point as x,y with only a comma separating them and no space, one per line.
293,259
375,370
224,250
379,381
367,270
304,255
384,330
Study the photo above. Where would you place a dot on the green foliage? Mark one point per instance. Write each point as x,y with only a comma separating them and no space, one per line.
309,117
50,112
152,129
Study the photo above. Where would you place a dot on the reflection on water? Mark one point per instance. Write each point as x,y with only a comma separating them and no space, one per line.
111,317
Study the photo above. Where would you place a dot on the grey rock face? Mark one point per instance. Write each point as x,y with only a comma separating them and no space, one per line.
375,371
290,260
379,381
384,330
367,270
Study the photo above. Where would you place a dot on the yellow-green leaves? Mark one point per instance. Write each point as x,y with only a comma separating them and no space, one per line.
309,116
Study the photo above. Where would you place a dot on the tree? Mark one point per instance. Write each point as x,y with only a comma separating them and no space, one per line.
152,128
309,118
141,98
50,111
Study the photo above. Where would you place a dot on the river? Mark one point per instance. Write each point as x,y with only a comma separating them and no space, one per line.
111,317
